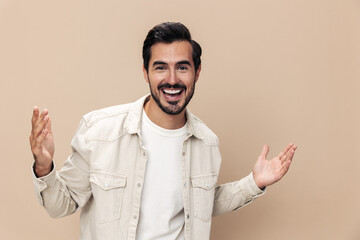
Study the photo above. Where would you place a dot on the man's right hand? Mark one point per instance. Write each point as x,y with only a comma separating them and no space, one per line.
42,142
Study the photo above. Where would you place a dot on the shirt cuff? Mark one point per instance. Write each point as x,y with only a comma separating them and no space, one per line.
41,183
255,190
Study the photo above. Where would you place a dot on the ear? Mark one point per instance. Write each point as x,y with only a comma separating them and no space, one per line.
145,75
197,74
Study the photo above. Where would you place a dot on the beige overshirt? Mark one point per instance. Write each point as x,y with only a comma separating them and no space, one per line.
104,177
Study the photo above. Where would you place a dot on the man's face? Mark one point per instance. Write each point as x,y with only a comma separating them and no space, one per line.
171,75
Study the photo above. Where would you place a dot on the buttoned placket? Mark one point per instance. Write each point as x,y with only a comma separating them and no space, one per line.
139,183
185,167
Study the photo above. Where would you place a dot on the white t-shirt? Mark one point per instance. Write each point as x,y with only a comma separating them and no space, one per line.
162,209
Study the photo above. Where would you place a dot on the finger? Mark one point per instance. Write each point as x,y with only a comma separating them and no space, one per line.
41,117
289,155
40,126
35,115
38,142
285,151
292,153
286,167
31,139
264,152
48,125
43,114
41,137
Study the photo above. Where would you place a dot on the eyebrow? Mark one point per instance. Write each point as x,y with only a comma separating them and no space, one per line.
184,62
178,63
159,63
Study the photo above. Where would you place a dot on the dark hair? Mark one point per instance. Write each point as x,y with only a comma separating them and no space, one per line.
169,32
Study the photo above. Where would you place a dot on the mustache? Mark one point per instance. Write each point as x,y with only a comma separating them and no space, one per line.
168,85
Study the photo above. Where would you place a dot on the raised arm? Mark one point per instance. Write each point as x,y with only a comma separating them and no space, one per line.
233,195
60,192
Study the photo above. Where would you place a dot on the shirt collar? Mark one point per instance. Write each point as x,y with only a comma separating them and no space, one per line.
133,121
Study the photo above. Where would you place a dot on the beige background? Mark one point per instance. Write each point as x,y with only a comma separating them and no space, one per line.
273,72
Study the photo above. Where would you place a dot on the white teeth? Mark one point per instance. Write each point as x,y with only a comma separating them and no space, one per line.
171,91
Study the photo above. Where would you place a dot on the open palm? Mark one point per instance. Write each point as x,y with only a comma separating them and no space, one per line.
267,172
42,141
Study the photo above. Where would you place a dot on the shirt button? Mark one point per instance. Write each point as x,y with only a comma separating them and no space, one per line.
184,184
139,184
187,216
134,216
144,153
183,153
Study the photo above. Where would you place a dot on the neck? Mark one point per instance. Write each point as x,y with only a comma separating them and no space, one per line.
162,119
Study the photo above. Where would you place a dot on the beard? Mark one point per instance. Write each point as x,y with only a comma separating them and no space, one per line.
173,108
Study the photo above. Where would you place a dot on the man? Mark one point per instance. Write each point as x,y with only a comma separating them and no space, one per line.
148,169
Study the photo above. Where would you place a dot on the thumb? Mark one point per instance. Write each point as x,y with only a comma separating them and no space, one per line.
264,152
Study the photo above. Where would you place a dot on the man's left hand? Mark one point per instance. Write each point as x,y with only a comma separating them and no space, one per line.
267,172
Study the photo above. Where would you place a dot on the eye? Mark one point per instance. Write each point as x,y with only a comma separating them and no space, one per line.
160,68
183,68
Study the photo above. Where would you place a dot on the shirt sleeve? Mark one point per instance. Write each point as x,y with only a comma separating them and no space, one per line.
233,195
62,192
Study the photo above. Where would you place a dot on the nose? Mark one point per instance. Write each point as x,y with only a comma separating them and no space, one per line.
172,78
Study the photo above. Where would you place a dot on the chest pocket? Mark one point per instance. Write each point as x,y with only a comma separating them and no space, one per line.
203,195
108,191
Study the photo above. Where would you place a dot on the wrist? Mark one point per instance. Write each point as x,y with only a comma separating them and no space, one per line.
258,183
41,170
260,186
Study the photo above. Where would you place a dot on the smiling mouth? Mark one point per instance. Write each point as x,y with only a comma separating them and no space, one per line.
172,92
172,95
